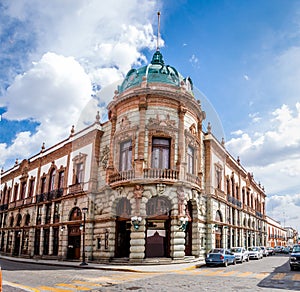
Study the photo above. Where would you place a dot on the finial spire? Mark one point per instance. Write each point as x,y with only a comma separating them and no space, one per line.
158,30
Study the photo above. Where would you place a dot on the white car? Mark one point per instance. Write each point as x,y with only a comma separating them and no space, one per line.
241,254
255,252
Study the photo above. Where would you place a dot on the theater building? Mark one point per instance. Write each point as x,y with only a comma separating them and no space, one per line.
147,185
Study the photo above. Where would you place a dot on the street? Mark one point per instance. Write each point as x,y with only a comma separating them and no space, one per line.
269,274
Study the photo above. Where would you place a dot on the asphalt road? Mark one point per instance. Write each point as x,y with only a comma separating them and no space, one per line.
269,274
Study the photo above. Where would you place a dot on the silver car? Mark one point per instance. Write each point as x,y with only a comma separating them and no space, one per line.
255,252
241,254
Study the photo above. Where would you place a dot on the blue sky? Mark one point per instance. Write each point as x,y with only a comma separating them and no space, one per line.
243,57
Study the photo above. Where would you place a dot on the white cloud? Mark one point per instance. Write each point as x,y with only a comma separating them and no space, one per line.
272,151
286,209
73,44
246,77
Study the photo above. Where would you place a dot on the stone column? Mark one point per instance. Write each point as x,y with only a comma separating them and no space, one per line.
51,240
181,164
141,138
42,242
137,243
110,167
177,241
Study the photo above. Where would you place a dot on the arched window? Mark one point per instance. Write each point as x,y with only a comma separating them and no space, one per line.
27,220
75,214
218,216
18,220
158,206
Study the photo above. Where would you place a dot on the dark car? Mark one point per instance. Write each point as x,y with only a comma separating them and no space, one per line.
220,256
271,250
295,257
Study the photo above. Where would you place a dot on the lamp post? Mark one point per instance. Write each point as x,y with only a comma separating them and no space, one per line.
83,263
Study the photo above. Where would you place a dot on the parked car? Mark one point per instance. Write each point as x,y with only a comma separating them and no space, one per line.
271,250
265,252
278,249
220,256
295,257
286,250
255,252
241,254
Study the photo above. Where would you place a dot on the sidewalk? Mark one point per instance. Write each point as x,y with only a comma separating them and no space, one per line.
125,268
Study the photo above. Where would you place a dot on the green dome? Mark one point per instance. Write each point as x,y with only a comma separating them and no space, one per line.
156,72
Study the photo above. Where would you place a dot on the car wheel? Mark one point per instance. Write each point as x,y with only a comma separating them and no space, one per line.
225,264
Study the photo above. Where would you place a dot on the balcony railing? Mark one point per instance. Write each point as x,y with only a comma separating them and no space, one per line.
193,179
122,176
156,173
76,188
234,201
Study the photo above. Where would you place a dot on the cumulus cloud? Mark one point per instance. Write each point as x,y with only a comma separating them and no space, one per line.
272,152
71,47
285,209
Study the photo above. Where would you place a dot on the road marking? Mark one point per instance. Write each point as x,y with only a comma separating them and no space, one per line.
262,275
245,274
73,286
47,288
279,276
229,273
87,283
215,273
296,277
26,288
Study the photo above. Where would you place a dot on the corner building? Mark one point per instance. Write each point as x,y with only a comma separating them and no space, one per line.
147,185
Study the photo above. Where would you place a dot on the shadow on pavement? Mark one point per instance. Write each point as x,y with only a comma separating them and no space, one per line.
281,278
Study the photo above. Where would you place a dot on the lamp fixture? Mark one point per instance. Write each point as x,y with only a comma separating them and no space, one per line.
62,228
136,221
183,223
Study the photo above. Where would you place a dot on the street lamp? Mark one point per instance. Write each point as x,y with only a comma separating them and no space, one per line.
83,263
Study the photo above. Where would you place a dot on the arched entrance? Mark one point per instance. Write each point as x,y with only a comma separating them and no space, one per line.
123,229
158,227
74,235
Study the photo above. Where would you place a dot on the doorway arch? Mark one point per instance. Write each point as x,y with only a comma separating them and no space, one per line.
158,227
74,234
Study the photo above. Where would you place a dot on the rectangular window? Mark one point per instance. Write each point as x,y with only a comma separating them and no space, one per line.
61,178
23,189
31,188
218,177
43,185
16,190
125,156
190,160
52,180
160,153
79,173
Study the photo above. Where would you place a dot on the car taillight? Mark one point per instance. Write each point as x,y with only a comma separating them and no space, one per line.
221,257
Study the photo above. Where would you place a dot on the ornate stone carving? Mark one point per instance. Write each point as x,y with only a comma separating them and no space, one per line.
104,157
158,122
180,197
160,188
125,123
138,194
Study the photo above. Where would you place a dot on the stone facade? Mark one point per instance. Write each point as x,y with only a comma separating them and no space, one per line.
155,185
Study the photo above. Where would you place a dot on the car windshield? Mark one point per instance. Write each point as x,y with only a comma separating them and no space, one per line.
217,250
252,249
236,249
296,248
